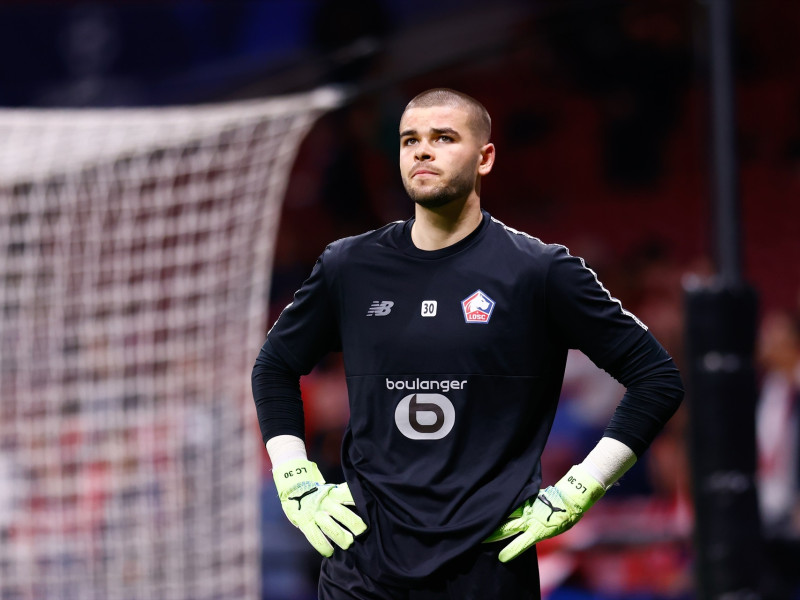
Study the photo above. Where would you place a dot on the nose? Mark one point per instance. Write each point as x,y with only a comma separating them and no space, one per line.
423,151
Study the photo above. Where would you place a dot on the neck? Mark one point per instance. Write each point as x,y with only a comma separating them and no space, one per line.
437,228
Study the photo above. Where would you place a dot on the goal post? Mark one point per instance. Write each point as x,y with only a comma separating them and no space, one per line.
136,248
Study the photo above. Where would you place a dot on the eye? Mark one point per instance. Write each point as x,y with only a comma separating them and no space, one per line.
408,142
444,138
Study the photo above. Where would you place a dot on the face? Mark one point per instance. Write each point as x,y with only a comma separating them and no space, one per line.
441,158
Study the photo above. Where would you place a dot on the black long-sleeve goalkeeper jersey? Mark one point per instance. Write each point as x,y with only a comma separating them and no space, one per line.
454,361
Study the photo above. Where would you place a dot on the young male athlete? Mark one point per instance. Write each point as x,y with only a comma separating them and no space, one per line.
454,330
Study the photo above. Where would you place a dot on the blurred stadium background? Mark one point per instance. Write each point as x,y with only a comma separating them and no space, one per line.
129,472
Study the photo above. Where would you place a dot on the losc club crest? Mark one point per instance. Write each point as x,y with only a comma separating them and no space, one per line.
477,307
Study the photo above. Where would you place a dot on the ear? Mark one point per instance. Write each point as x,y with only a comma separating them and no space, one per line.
487,159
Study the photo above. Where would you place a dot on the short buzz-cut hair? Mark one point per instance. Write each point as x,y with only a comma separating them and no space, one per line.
479,117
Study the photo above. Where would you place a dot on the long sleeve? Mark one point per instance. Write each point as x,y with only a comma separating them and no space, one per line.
654,391
305,331
276,391
590,319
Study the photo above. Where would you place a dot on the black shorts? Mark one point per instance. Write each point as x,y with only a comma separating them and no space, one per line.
479,575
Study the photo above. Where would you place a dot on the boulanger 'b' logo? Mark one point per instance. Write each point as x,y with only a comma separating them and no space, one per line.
477,307
425,416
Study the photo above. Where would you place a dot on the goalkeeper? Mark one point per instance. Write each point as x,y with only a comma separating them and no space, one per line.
454,331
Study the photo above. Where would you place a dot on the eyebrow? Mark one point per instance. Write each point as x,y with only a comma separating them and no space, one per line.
435,130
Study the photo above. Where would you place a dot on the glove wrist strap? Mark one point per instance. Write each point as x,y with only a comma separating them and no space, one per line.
292,474
583,489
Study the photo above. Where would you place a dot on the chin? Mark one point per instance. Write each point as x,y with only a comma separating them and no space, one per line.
432,198
436,201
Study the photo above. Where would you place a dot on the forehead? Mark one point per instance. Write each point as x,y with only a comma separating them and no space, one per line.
435,117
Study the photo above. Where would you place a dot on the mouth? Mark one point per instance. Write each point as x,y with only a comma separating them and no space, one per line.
423,171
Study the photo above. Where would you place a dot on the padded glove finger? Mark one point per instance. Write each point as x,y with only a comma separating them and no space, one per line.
320,510
553,511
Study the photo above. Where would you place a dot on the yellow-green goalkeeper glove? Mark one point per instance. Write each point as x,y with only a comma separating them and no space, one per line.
553,511
316,508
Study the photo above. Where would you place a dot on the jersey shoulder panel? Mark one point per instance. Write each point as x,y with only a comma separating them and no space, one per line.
526,243
341,250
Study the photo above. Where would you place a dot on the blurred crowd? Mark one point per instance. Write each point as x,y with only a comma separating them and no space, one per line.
601,126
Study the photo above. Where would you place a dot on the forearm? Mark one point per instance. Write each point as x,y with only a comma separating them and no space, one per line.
654,391
276,392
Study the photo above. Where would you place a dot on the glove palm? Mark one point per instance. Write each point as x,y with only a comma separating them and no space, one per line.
320,510
553,511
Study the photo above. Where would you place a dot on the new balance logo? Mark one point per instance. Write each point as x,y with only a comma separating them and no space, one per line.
553,509
380,308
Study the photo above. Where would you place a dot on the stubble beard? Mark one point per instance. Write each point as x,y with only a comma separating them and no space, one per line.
441,195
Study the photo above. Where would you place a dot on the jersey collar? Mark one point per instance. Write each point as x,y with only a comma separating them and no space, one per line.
408,247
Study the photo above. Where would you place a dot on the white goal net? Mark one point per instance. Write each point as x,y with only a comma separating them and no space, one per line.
135,256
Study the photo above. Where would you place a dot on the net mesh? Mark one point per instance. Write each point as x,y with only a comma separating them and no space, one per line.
135,255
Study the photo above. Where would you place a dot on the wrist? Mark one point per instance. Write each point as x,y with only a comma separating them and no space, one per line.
283,448
608,461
